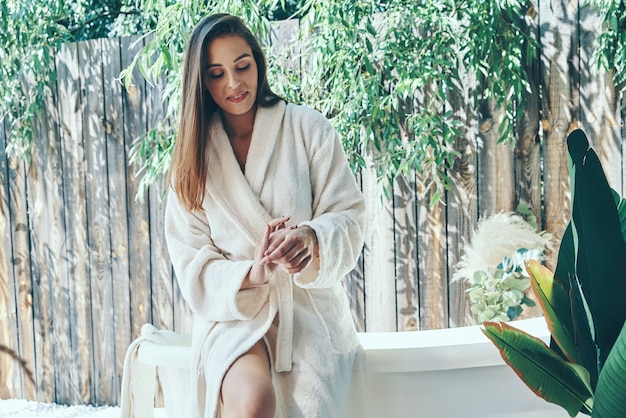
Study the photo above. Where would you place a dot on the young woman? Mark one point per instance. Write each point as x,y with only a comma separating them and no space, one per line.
263,220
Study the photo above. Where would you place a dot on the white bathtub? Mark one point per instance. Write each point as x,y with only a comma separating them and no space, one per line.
447,373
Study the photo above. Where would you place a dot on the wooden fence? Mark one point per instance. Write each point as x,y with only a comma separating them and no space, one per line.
84,264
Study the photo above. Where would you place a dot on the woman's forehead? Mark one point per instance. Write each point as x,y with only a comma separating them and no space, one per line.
227,49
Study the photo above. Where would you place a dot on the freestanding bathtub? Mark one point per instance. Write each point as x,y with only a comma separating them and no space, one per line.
446,373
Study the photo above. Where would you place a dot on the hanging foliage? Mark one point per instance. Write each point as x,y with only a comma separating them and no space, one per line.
381,71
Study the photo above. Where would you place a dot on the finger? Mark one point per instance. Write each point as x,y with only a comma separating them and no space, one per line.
266,238
281,244
276,239
291,261
301,266
274,254
263,244
277,221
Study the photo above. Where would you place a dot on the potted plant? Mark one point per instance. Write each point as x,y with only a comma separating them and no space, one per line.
584,367
493,263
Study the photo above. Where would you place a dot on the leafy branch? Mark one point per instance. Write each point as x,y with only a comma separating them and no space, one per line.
611,51
381,71
32,33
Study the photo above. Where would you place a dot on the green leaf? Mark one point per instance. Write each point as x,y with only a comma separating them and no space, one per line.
600,249
541,369
610,398
555,303
566,268
621,210
585,331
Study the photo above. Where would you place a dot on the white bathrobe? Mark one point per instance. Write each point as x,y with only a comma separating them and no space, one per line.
296,166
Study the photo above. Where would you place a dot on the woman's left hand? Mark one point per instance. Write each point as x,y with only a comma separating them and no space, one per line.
293,248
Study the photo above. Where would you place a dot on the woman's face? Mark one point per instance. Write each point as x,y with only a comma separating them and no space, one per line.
231,75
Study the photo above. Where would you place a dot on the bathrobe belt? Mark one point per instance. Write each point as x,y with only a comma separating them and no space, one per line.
284,338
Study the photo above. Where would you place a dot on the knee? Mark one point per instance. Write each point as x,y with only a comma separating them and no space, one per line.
259,401
254,399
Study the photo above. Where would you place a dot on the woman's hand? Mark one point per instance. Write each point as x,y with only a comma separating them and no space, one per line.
293,248
260,272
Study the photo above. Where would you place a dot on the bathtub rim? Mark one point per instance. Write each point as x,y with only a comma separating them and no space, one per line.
391,352
440,349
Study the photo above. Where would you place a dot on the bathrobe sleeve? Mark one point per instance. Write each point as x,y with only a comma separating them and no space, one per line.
209,282
338,206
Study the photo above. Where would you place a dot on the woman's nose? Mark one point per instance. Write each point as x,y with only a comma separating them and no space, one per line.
233,80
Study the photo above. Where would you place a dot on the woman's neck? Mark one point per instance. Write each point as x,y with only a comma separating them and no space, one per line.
239,126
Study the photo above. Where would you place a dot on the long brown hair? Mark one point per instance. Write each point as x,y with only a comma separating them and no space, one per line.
189,166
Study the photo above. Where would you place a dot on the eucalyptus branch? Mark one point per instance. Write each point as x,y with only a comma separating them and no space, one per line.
369,67
611,51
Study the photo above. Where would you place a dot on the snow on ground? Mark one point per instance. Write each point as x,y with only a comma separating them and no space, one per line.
20,408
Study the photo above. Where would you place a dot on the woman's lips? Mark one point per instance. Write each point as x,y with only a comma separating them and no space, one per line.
238,97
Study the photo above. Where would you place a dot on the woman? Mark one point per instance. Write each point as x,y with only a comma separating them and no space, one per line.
263,219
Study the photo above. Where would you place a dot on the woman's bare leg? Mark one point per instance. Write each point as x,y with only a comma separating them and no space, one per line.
247,390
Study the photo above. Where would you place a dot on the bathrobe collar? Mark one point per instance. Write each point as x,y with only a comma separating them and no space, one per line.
237,194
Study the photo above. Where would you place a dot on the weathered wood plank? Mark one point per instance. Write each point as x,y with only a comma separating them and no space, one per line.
97,199
44,247
134,102
496,189
462,199
378,269
48,221
432,268
10,375
162,274
21,264
527,163
599,101
431,239
70,106
405,238
118,215
557,21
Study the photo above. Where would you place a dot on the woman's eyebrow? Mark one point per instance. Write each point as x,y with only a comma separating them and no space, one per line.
244,55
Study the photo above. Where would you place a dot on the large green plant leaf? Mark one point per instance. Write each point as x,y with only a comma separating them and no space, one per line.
610,398
555,303
565,268
584,325
598,242
621,210
566,259
541,369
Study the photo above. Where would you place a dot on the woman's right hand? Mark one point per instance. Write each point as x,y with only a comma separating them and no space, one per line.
259,273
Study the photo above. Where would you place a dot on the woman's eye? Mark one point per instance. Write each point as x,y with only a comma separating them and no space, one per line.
244,68
215,75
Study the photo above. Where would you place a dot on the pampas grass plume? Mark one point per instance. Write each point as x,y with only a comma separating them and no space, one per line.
496,237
